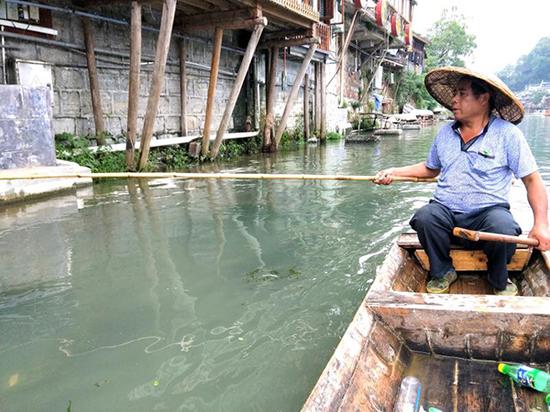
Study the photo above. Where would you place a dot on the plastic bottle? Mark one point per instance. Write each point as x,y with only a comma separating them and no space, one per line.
408,399
527,376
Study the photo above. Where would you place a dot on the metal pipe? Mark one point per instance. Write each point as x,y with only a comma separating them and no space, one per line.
76,47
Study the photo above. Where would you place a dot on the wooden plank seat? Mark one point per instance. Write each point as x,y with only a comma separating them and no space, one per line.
463,259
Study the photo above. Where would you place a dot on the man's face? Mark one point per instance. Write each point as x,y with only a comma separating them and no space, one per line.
466,105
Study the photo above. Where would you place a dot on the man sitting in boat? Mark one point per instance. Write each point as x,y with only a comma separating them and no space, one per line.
475,157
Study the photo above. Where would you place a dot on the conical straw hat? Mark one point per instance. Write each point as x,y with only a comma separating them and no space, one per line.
441,84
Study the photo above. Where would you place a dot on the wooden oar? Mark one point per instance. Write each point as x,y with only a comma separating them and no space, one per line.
249,176
475,236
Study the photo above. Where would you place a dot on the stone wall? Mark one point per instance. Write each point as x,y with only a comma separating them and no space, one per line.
72,101
72,111
26,137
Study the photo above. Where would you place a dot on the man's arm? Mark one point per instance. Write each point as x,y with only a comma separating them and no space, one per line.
538,200
385,177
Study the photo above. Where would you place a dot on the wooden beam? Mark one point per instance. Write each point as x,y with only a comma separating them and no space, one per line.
133,83
289,42
214,67
214,17
294,93
243,69
89,40
306,107
163,45
285,34
183,87
271,95
235,24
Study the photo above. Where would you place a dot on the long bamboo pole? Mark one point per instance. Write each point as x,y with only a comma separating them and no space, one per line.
175,175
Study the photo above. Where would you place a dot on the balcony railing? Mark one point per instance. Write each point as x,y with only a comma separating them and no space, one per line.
323,31
298,7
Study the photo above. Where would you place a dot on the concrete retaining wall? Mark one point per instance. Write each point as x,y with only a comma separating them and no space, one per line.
26,135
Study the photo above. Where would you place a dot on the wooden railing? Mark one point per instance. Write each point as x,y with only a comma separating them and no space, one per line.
299,7
323,31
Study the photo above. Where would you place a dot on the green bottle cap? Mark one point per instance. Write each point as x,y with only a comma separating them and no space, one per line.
547,399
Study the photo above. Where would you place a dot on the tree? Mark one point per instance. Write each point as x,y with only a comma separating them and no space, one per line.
450,42
529,69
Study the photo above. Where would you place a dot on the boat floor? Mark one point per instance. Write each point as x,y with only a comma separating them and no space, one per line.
469,283
453,384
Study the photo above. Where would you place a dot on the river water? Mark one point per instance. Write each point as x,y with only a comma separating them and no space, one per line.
200,296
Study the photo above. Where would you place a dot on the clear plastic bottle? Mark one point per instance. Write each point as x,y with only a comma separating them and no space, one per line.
408,398
526,376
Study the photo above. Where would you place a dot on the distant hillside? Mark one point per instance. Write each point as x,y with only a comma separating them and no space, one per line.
529,69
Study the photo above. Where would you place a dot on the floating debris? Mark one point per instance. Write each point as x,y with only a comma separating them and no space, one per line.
13,380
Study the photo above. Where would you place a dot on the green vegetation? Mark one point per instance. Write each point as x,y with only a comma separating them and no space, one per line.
411,89
169,158
333,136
450,42
529,69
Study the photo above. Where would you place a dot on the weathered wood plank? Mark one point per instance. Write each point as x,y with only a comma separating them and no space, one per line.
476,260
482,326
409,240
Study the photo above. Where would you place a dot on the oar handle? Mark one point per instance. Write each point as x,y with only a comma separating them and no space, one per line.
475,236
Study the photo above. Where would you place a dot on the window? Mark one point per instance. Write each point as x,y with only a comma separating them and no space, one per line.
26,19
18,12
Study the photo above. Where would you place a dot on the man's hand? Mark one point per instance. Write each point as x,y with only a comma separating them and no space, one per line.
542,234
384,177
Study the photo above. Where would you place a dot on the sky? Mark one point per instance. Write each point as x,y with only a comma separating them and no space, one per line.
505,29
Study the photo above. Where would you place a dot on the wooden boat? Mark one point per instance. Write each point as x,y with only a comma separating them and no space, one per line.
451,343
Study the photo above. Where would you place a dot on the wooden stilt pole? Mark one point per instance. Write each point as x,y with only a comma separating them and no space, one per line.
216,51
163,45
89,39
133,83
243,69
257,102
183,87
323,129
318,97
271,96
294,93
306,107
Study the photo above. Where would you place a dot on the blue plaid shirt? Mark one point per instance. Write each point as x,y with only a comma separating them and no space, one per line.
479,174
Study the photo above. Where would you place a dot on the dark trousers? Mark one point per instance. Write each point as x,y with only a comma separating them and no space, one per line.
434,224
